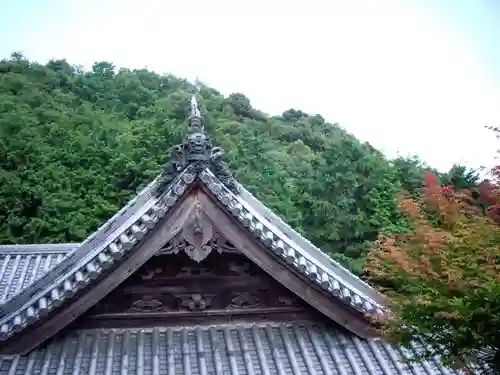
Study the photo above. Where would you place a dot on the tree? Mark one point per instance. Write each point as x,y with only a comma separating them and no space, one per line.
293,115
460,177
442,278
240,104
410,172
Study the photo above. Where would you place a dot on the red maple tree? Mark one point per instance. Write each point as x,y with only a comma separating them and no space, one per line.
443,278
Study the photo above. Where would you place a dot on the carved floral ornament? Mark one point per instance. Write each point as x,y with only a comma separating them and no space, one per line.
188,301
198,239
147,304
196,301
244,300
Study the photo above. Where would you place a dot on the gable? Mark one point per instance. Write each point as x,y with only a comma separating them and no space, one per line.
88,273
198,215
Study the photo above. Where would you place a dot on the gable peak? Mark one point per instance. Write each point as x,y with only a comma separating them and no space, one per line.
195,154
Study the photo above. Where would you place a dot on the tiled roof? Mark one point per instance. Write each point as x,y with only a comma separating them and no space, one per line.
259,349
307,246
50,248
21,266
28,297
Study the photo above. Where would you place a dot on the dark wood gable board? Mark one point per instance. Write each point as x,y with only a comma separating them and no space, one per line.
182,215
177,289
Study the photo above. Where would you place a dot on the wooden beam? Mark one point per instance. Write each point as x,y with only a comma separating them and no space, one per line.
167,286
127,321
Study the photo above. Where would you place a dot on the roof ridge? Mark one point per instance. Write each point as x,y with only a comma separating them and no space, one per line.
43,248
196,152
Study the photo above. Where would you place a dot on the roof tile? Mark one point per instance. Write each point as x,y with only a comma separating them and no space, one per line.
17,271
300,348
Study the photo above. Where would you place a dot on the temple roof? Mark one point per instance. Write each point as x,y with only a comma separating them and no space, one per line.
299,348
20,266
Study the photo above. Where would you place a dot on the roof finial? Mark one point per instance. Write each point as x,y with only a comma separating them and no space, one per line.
195,123
196,153
195,111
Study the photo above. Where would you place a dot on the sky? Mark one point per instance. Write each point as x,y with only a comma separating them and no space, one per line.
409,76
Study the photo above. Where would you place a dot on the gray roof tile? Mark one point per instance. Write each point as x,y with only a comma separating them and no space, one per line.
75,260
258,349
51,248
19,270
306,245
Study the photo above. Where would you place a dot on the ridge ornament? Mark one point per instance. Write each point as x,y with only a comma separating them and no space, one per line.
195,154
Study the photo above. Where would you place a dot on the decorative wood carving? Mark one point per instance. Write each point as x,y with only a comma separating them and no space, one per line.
198,239
196,301
244,300
197,233
147,304
222,283
243,269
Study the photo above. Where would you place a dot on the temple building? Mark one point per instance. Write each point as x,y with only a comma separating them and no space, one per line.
193,276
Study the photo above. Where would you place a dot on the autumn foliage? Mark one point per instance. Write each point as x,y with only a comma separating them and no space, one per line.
443,278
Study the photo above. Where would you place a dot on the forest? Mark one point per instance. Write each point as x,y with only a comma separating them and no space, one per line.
75,145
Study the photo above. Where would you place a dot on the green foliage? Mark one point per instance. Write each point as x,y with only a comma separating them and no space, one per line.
410,173
76,145
460,177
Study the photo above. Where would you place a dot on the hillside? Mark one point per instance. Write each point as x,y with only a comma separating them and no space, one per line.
76,145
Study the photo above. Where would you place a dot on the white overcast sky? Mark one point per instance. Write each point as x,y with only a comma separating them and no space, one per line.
409,76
